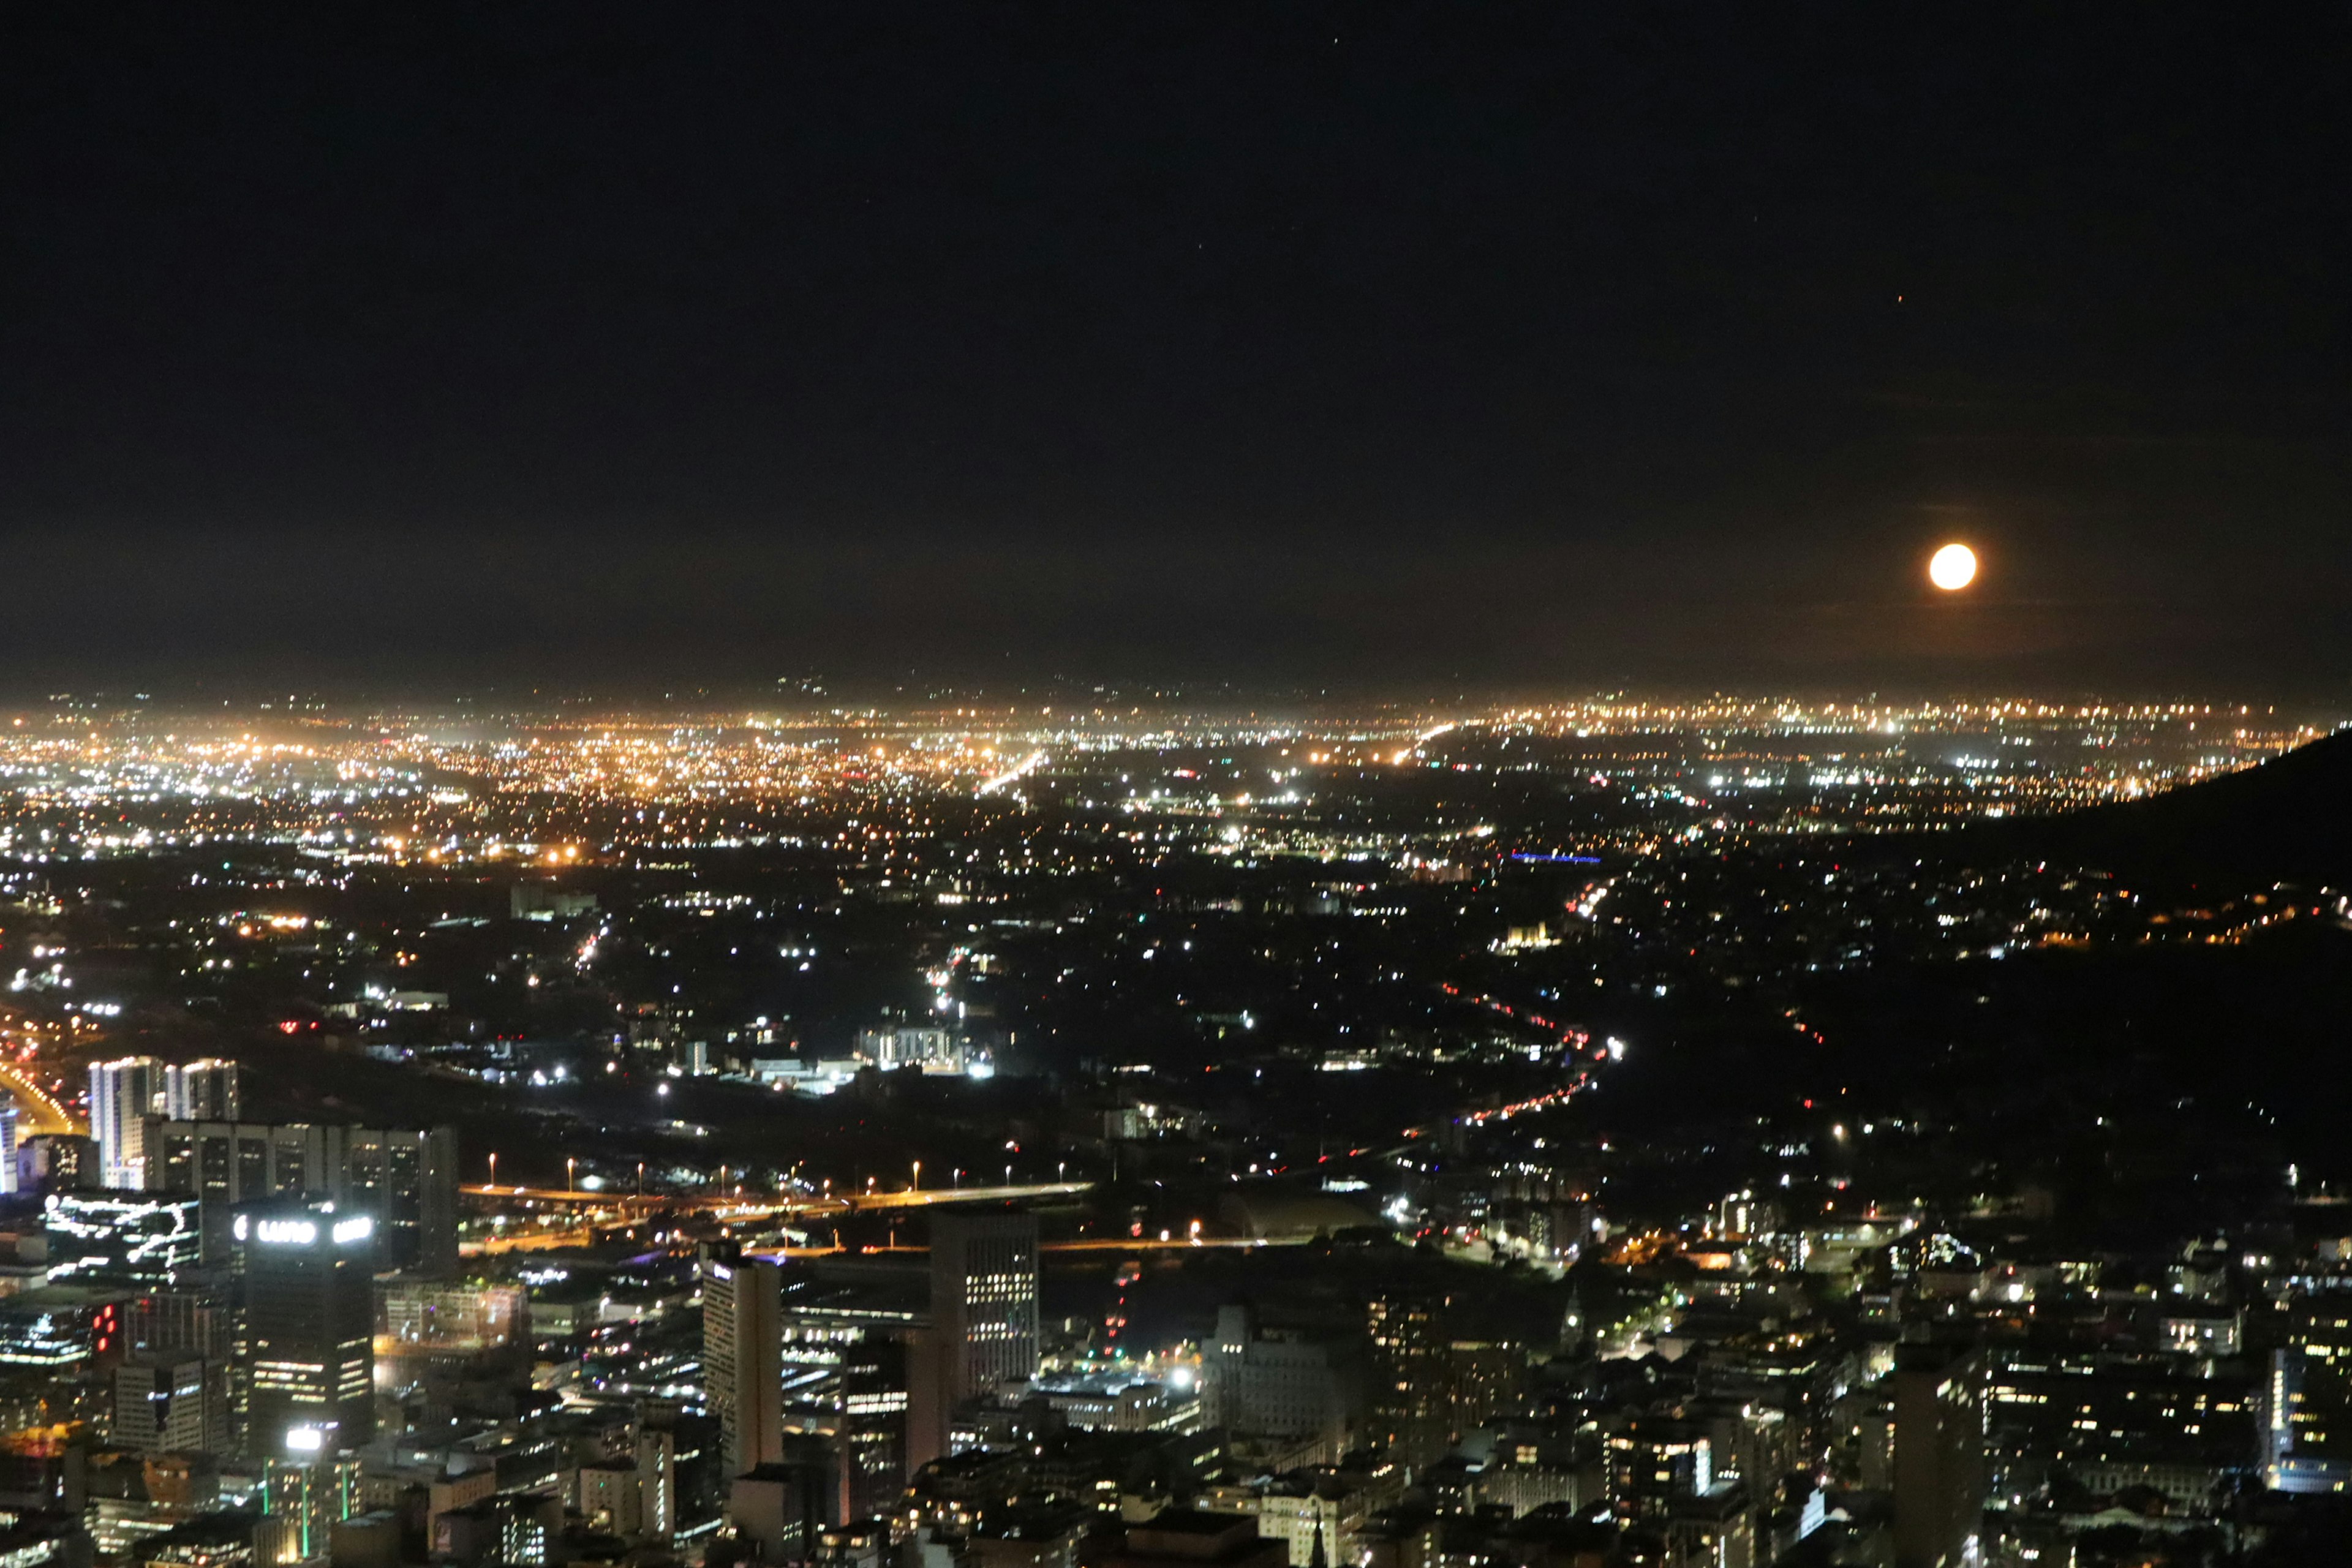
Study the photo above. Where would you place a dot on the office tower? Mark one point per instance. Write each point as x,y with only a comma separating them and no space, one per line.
1939,1455
406,1178
1412,1400
309,1496
1285,1390
203,1090
849,1361
656,1457
189,1320
742,1356
309,1322
181,1318
143,1238
983,1302
785,1504
11,1179
60,1329
2307,1432
162,1405
122,1095
873,1435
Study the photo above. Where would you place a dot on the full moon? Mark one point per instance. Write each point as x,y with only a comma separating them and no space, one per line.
1953,568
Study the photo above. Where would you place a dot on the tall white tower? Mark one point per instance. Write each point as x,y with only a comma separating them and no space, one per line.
122,1094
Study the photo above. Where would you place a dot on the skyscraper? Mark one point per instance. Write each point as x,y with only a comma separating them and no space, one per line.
1939,1455
122,1095
405,1177
1412,1397
742,1357
984,1303
188,1319
162,1405
201,1091
309,1306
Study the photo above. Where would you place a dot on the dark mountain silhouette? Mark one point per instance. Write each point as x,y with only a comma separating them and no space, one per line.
2286,820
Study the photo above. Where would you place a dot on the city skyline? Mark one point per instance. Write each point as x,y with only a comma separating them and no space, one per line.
1175,786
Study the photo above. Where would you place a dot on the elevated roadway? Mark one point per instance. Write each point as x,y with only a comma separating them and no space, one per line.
38,1110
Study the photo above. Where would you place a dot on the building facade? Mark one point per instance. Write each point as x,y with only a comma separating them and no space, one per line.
742,1358
983,1302
122,1094
405,1177
127,1237
310,1310
207,1089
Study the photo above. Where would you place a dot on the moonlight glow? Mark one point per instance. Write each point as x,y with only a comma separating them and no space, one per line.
1954,568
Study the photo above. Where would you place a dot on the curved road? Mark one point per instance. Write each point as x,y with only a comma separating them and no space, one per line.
37,1111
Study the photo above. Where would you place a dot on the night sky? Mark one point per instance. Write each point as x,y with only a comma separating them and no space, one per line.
1537,349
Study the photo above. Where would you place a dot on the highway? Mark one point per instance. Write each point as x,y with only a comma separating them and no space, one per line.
585,1235
36,1112
821,1205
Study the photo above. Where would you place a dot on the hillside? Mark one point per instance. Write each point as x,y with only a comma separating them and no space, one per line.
2289,819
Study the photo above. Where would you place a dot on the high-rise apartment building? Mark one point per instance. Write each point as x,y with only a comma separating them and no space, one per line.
201,1091
742,1357
405,1177
122,1094
983,1306
309,1326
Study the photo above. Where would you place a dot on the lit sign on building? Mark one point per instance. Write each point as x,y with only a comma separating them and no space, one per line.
302,1232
